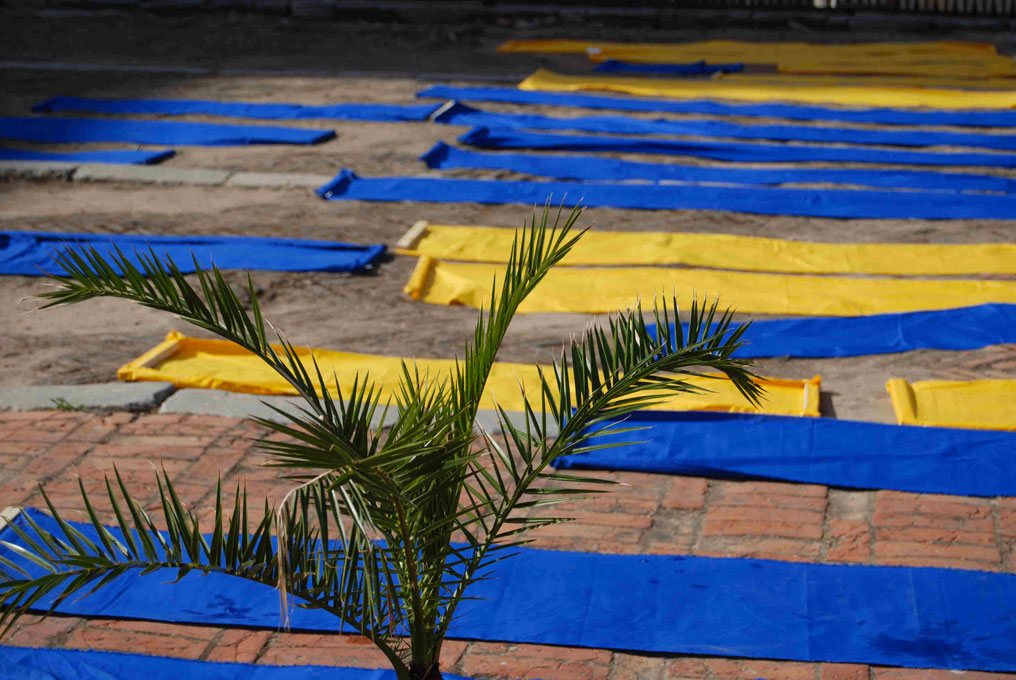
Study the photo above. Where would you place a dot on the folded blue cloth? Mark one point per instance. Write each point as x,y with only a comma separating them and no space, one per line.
693,69
972,118
167,133
110,156
857,455
180,107
460,114
29,253
749,199
443,156
849,336
741,152
919,617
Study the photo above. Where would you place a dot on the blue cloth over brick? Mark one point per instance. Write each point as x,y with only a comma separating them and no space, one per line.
110,156
169,133
920,617
22,663
693,69
826,451
971,118
443,156
740,152
758,200
270,111
29,253
460,114
960,329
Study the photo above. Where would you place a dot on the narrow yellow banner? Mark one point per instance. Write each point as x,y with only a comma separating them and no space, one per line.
986,404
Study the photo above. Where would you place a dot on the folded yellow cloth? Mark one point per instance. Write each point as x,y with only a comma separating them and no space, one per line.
939,98
984,404
223,365
812,79
607,289
726,251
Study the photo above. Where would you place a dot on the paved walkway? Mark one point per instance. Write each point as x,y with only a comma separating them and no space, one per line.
653,514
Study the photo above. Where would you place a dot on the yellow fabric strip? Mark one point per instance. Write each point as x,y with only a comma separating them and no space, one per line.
726,251
982,67
603,290
751,52
984,404
810,80
719,89
222,365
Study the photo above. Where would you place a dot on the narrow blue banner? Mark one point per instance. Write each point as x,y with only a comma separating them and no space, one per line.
695,68
883,116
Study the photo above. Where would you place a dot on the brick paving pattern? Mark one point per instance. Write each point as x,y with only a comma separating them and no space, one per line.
647,514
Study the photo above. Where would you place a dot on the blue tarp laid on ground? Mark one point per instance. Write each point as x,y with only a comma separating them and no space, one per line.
739,152
848,203
918,617
960,329
29,253
460,114
443,156
180,107
22,663
168,133
974,118
109,156
693,69
857,455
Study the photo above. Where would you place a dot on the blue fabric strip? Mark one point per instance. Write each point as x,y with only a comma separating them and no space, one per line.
692,69
825,451
728,151
759,200
918,617
168,133
111,156
23,663
443,156
973,118
960,329
29,253
460,114
181,107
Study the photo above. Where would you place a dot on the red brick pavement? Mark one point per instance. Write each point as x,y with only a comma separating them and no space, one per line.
647,514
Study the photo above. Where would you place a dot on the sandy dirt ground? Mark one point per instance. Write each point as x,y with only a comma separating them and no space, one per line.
356,313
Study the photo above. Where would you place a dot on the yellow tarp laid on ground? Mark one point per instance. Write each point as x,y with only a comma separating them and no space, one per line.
222,365
738,50
720,89
607,289
811,79
726,251
989,404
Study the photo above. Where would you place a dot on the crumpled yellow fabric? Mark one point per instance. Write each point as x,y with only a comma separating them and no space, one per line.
607,289
721,89
727,251
222,365
986,404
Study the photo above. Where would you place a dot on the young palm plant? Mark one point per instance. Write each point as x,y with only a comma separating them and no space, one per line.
385,530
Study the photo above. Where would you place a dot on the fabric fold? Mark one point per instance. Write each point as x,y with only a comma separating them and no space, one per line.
602,290
260,110
954,403
30,253
222,365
